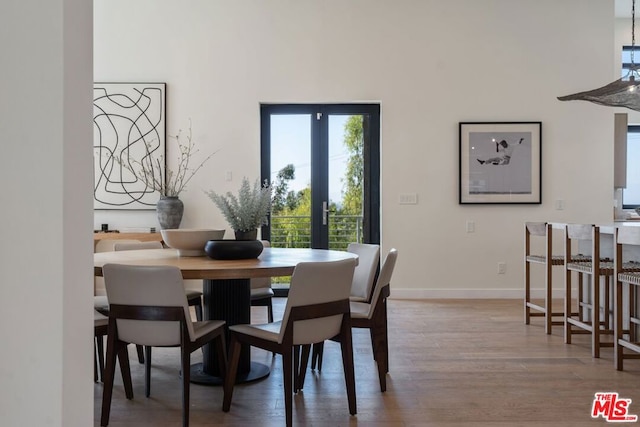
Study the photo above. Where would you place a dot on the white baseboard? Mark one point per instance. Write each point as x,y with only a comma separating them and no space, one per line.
469,293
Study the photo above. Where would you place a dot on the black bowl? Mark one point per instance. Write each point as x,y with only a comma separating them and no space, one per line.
233,249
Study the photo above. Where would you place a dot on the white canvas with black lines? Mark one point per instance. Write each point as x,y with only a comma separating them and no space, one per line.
129,126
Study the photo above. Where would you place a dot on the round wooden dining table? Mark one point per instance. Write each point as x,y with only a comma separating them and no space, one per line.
226,291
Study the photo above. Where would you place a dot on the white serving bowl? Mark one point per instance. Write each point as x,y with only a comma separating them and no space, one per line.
190,241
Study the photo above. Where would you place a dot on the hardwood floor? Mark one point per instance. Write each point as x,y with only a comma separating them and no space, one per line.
452,363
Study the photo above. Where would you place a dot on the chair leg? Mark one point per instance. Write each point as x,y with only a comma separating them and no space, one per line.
296,368
380,354
198,308
270,310
304,361
147,371
527,292
567,307
373,343
607,304
115,350
618,354
232,370
220,344
140,351
287,370
595,317
107,390
123,360
548,297
95,364
385,332
186,378
633,312
347,362
100,345
580,294
316,355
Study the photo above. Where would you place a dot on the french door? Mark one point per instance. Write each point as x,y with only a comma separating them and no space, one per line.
323,162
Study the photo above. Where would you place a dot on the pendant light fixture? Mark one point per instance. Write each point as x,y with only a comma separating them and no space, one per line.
624,92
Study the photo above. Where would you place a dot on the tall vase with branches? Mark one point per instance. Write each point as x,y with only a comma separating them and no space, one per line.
168,182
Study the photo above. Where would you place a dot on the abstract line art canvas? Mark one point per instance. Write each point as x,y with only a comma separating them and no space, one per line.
128,128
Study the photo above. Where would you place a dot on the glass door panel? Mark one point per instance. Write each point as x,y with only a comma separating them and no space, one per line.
290,175
346,177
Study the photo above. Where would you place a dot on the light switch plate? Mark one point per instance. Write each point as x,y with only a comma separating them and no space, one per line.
471,226
408,199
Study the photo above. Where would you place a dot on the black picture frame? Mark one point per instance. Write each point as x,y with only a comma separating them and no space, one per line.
500,163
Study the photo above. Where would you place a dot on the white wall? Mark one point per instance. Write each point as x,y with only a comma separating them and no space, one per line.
430,63
45,219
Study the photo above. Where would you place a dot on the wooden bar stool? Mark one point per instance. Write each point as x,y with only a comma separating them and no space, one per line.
540,230
594,306
626,316
587,321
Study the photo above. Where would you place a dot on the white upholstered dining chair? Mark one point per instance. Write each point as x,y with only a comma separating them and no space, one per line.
373,316
100,301
361,286
148,306
194,297
317,309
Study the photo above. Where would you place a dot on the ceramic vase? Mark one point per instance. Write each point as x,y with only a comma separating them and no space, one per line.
170,210
233,249
246,235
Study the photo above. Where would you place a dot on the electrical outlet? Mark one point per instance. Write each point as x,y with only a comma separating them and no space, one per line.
559,204
502,267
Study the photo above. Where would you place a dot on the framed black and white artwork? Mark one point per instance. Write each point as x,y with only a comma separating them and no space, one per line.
500,162
129,129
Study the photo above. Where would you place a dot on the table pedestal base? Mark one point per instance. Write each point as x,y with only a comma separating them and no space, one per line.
228,300
257,372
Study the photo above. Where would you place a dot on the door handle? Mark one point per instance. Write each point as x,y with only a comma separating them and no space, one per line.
325,211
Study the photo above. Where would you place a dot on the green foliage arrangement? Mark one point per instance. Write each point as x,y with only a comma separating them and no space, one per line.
249,210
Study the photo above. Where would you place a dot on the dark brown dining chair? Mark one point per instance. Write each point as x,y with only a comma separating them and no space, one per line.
148,307
317,309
